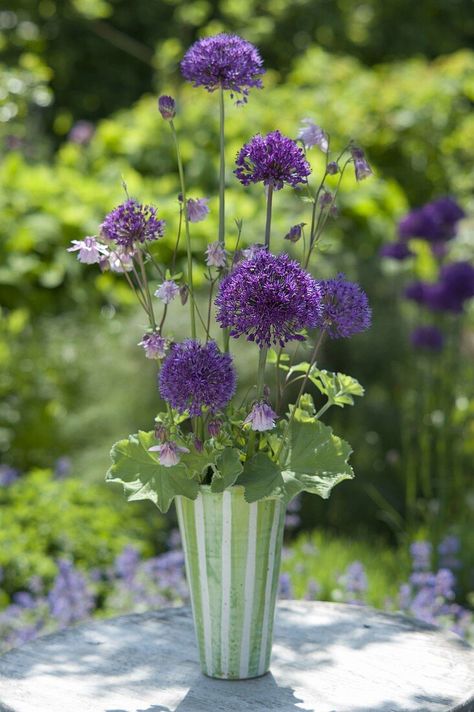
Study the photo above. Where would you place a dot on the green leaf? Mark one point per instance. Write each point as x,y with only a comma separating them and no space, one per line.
261,478
199,462
272,357
338,387
143,477
315,460
228,468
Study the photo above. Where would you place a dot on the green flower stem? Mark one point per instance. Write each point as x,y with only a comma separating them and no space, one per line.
146,289
188,236
221,169
262,360
268,222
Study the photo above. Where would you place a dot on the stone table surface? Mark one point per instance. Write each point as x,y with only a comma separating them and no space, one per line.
326,658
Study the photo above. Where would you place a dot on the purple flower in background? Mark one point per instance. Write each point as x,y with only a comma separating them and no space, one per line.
448,551
457,279
167,291
454,288
354,581
89,251
435,222
332,168
273,160
167,107
132,223
268,298
261,417
126,563
292,518
427,337
398,250
313,135
82,132
361,166
154,345
223,61
62,467
197,209
195,376
8,475
295,232
169,453
445,583
215,255
70,600
421,555
345,309
285,587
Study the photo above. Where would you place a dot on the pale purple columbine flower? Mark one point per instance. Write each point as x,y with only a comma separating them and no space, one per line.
215,255
253,250
295,232
167,107
121,261
313,135
167,291
154,345
223,61
273,160
345,309
361,166
131,223
270,299
198,209
261,417
196,376
326,198
89,250
169,453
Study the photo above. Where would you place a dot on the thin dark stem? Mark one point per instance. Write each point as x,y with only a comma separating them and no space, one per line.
175,252
146,289
165,311
221,169
209,308
268,222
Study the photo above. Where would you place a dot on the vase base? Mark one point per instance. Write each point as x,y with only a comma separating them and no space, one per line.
232,678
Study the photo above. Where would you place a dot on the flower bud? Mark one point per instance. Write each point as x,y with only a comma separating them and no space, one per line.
167,107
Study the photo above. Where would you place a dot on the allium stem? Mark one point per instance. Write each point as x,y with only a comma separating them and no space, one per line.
262,360
146,289
188,236
268,222
221,169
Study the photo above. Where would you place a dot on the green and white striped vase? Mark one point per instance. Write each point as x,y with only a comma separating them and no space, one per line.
232,551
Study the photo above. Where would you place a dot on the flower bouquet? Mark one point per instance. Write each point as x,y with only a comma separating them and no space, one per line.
232,467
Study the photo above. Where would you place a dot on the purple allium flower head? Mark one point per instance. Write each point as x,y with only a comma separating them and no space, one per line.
89,250
458,279
398,250
361,166
268,298
454,288
131,222
427,337
274,160
121,261
313,135
215,255
195,376
345,309
226,61
261,417
167,107
167,291
169,453
197,209
154,345
435,222
295,232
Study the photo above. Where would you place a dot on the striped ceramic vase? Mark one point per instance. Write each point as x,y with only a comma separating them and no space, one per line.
232,551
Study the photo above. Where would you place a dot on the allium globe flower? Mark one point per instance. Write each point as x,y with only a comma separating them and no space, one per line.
427,337
454,288
196,376
273,160
224,60
345,309
435,222
269,298
398,250
131,223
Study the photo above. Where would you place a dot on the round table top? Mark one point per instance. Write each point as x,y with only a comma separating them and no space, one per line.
326,658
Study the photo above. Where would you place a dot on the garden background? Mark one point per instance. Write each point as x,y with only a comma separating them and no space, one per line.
79,81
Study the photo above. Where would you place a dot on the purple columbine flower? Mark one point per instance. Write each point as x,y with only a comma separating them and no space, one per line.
295,232
197,209
167,291
261,417
270,299
313,135
435,222
169,453
195,376
89,251
121,261
427,337
131,223
215,255
273,160
345,309
361,166
398,250
167,107
326,198
223,61
154,345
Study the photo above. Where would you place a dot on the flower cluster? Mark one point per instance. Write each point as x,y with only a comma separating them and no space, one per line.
131,223
273,160
453,289
195,377
270,299
223,61
345,309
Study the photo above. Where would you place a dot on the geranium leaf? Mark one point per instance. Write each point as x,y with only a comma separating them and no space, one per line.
228,468
261,478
